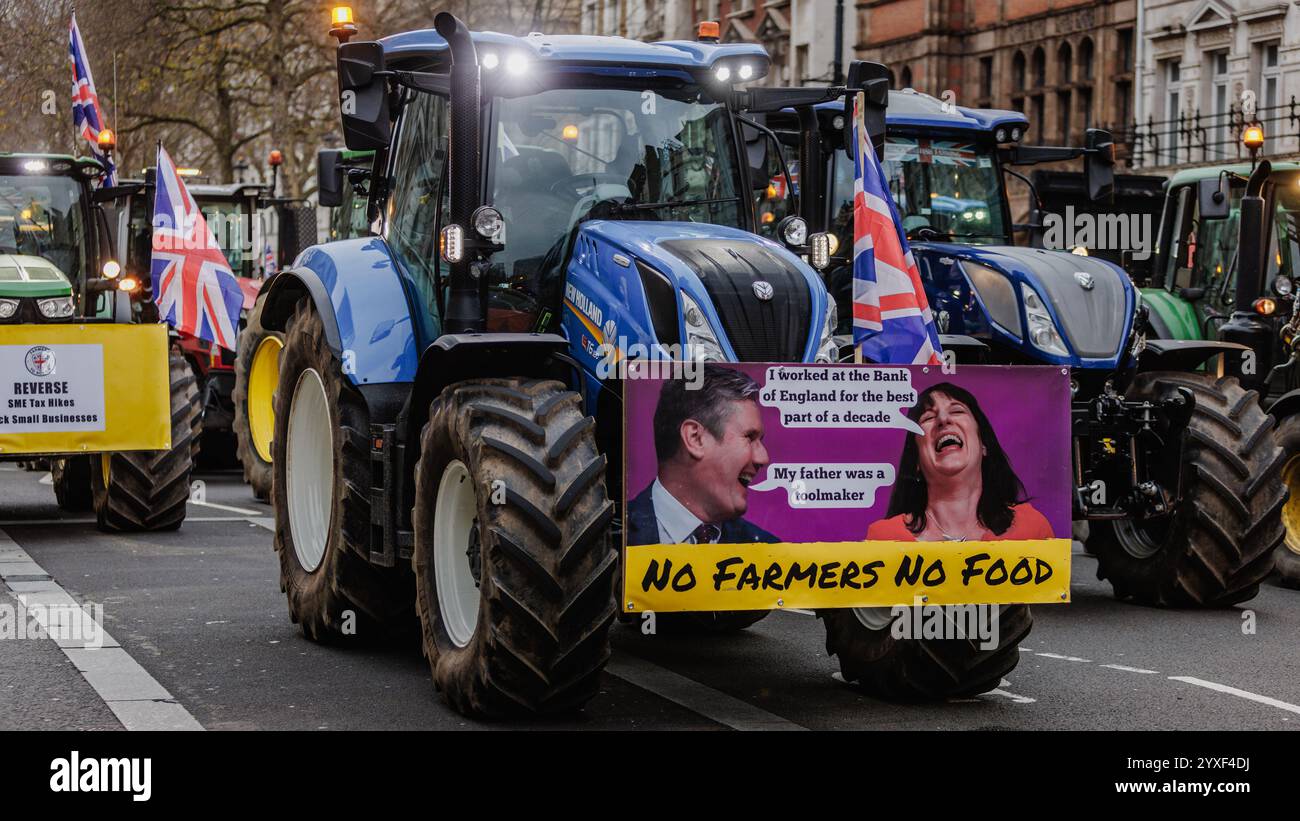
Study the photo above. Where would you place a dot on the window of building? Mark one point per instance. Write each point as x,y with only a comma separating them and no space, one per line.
1040,68
1270,74
1219,102
1085,107
1063,123
1086,57
1171,77
1018,71
1064,64
906,77
1036,116
986,77
1125,50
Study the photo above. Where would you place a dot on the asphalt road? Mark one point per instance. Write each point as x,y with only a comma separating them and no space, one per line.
200,614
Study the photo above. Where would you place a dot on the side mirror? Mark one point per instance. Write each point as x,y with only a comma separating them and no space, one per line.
1192,294
1099,164
329,177
757,153
1214,199
363,96
872,79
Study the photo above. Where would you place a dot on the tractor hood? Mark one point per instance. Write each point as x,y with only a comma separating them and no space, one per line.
730,293
22,275
1022,295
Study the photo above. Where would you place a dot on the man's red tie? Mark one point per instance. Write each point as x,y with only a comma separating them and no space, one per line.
706,534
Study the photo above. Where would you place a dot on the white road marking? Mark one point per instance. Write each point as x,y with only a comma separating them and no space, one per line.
134,696
267,522
1064,658
1015,697
1131,669
1233,691
696,697
242,510
47,479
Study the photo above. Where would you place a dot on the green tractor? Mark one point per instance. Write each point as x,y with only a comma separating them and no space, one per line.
116,443
1195,291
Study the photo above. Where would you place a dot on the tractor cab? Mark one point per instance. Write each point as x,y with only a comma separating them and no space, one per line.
52,238
1191,288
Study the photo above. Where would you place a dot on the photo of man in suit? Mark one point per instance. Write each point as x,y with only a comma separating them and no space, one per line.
709,448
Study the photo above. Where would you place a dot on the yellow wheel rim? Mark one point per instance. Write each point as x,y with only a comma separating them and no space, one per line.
105,460
263,376
1291,511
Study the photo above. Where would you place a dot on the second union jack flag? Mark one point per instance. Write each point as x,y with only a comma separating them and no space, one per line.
193,285
892,322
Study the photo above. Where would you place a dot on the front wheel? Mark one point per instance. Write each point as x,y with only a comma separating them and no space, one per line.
514,562
321,496
1218,544
905,667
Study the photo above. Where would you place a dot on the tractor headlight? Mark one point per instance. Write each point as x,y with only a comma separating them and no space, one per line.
452,243
827,348
8,307
794,232
1042,330
1283,286
701,342
995,291
488,223
60,307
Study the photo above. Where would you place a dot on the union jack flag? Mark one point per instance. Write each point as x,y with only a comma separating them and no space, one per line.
892,322
268,261
193,285
87,116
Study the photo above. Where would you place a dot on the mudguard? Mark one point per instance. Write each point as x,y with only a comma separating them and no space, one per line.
362,297
1182,354
1288,404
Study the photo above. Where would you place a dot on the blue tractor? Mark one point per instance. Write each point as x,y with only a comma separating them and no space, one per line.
1175,467
447,445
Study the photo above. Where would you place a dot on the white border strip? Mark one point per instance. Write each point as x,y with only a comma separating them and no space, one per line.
134,696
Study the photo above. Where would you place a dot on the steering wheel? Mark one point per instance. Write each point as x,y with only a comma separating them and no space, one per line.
573,185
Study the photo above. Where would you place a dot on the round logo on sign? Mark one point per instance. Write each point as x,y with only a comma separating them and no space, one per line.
40,361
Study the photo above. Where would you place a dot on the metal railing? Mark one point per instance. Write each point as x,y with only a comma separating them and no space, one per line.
1204,138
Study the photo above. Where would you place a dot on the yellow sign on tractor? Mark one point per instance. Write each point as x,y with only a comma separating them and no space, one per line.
84,388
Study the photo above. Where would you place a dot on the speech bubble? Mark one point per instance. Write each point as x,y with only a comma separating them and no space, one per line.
840,397
820,485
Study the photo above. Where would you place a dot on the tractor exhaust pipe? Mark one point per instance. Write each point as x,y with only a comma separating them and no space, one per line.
464,308
1245,326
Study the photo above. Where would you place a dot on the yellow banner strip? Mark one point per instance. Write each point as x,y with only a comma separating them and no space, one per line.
669,578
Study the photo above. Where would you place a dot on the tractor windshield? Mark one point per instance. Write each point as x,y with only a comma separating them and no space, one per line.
570,154
42,216
944,190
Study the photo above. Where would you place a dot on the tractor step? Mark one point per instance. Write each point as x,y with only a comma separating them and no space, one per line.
388,542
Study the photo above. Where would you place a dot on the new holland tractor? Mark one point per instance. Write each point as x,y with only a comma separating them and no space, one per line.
445,447
1225,268
111,407
1175,465
343,175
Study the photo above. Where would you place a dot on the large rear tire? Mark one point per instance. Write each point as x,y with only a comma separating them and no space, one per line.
1287,555
514,563
1218,545
321,458
71,480
919,669
148,490
257,371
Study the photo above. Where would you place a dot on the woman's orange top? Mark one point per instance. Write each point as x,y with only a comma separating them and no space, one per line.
1027,523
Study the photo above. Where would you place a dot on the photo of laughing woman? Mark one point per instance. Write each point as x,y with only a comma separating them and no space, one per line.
955,482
